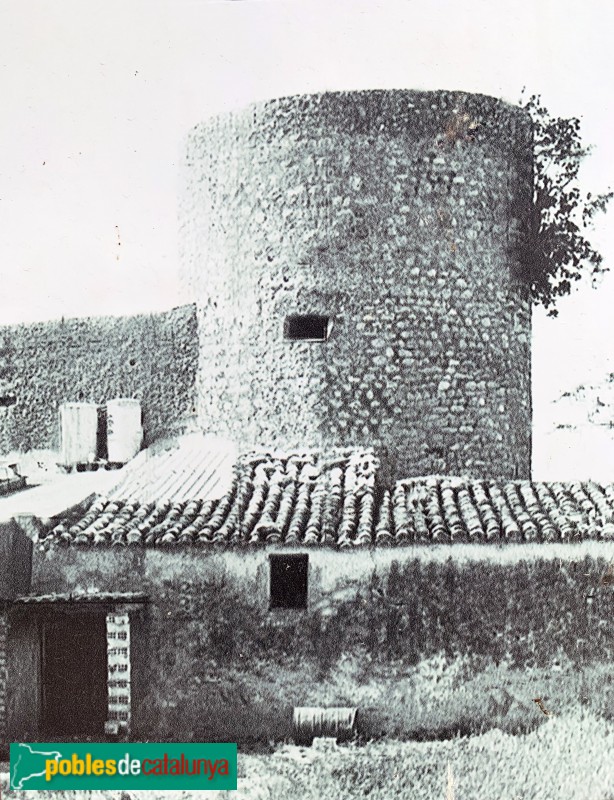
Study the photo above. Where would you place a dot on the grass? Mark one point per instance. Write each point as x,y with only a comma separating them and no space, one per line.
462,728
437,698
570,757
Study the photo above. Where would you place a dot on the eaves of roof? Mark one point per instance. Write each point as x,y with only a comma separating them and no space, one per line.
56,598
309,499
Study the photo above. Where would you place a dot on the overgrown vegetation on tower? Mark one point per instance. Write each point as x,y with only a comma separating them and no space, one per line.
558,252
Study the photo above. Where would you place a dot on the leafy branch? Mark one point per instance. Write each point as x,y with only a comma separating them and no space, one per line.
558,252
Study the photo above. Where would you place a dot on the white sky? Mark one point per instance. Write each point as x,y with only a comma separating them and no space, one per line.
96,97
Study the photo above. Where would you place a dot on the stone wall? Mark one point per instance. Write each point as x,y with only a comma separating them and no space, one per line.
149,357
211,661
3,671
399,215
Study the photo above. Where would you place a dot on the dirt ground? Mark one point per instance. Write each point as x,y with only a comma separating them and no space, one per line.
567,758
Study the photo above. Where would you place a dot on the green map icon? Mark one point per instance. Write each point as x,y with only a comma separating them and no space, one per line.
28,761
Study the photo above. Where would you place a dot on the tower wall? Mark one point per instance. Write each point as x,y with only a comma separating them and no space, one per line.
398,214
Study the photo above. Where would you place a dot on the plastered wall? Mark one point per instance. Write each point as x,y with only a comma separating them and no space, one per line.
209,659
3,669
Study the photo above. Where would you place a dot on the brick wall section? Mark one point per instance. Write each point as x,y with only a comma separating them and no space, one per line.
3,671
397,213
149,357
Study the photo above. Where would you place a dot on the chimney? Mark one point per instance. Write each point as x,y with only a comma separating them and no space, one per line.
15,561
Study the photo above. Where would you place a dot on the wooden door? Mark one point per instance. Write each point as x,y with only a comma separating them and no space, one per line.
74,675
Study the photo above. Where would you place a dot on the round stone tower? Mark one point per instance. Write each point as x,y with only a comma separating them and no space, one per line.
354,257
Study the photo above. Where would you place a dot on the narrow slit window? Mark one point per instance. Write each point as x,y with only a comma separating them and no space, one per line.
289,581
307,328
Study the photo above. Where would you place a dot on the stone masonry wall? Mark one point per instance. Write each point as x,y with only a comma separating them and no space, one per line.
398,214
149,357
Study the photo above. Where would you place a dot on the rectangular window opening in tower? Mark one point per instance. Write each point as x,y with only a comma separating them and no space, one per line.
307,328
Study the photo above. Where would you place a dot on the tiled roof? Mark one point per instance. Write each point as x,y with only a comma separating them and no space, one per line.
455,509
308,499
296,499
52,499
82,597
179,470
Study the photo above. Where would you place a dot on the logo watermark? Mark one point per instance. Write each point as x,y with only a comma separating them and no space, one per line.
56,766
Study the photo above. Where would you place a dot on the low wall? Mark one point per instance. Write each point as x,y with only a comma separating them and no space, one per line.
151,358
398,632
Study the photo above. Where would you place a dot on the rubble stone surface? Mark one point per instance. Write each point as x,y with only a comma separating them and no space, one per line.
398,215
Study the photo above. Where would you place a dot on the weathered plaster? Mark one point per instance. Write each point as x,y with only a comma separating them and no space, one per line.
210,660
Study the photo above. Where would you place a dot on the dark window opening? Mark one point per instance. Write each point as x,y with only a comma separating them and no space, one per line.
7,400
74,675
289,581
307,327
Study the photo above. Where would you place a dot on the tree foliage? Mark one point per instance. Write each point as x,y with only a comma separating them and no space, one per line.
558,252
